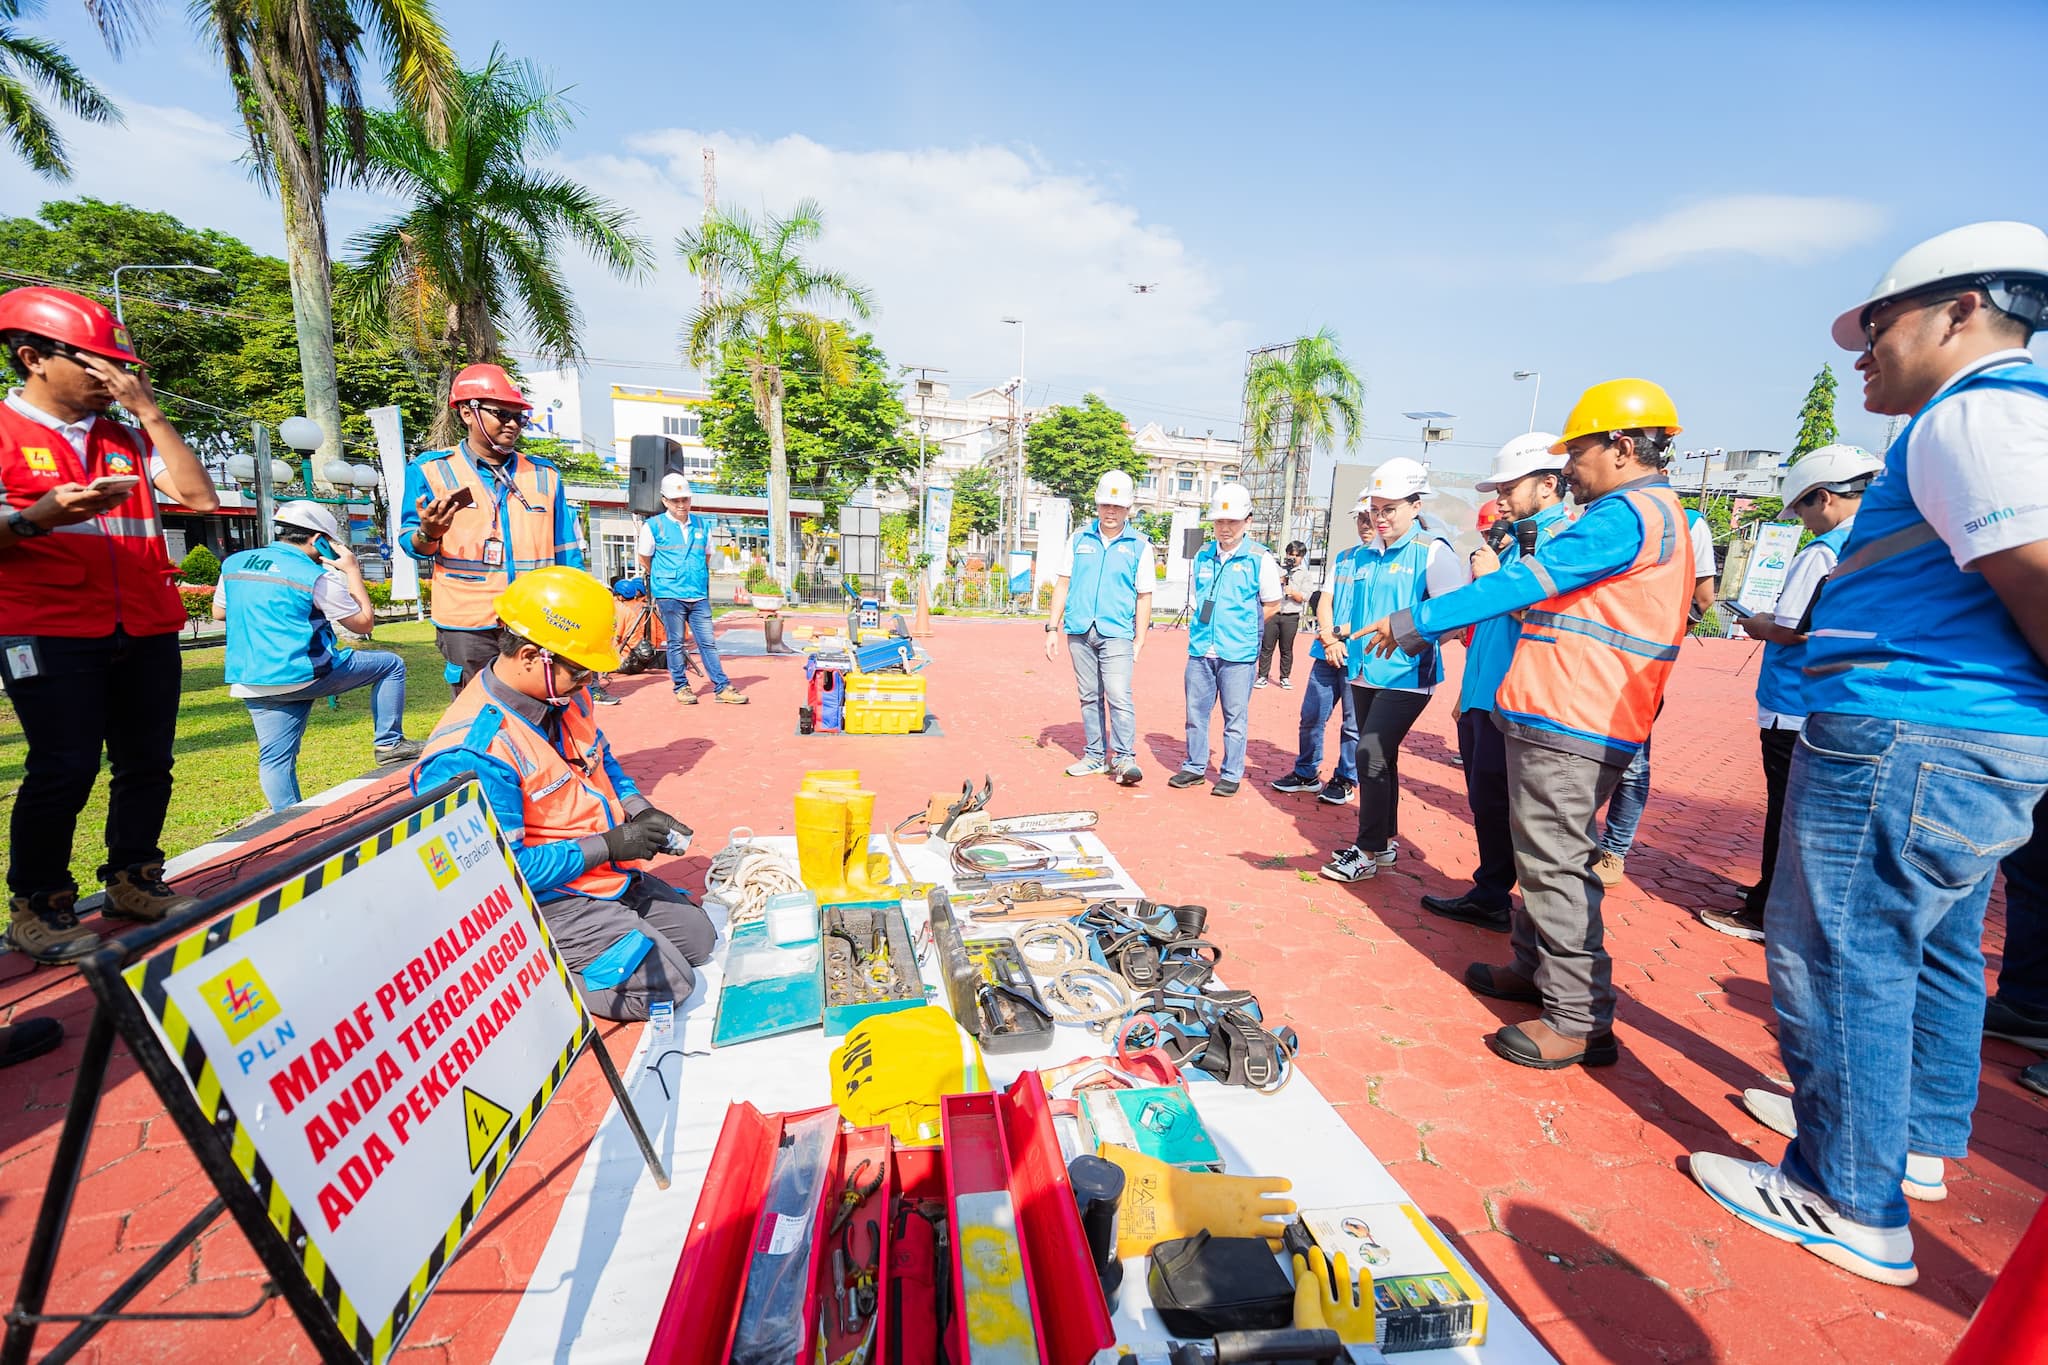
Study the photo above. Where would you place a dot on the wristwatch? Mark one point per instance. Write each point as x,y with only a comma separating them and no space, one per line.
22,527
1048,627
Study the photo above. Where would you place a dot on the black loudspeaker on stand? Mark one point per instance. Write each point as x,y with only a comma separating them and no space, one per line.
652,457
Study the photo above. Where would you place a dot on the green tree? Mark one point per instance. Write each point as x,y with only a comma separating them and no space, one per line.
1296,403
836,435
1817,415
288,65
29,64
1068,448
977,504
768,294
478,249
1154,526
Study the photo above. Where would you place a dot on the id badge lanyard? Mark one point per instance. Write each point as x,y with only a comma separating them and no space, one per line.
494,546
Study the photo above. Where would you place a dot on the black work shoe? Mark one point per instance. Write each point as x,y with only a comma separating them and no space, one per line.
45,927
1224,787
2035,1078
405,751
2015,1025
1295,782
26,1038
1336,792
1502,983
1467,911
1183,778
1515,1045
141,893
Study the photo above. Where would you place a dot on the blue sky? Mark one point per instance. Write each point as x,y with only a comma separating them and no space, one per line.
1459,190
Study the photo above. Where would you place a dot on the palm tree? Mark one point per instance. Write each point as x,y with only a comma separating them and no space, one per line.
1311,391
765,290
27,64
478,249
290,62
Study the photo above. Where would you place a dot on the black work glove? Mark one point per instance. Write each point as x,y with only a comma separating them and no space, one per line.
640,838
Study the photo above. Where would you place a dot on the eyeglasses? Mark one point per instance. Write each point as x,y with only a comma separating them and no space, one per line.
1873,334
501,414
1810,498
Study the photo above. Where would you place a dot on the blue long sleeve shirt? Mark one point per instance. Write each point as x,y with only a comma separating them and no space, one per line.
567,532
1604,541
546,866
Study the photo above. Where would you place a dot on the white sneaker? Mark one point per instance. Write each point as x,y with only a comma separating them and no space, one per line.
1088,767
1926,1178
1766,1198
1350,865
1389,855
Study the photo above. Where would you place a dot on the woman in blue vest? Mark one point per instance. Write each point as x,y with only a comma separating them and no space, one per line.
1403,563
1823,490
675,559
281,603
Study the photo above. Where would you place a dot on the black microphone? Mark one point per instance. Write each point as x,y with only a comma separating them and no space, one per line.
1525,537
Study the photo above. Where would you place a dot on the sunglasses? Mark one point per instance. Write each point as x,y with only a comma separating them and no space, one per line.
1810,498
1872,334
501,414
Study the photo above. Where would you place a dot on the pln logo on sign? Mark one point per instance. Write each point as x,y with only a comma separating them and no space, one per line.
240,1000
440,863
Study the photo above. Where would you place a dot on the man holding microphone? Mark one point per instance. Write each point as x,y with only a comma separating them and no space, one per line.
88,618
1102,603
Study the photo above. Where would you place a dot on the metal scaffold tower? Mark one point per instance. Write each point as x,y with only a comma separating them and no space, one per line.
1266,479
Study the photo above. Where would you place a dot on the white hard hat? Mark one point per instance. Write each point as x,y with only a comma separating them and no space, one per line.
1233,503
309,516
674,486
1399,478
1116,488
2009,261
1828,465
1519,458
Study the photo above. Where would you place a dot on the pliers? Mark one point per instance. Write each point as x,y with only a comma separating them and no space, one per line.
857,1192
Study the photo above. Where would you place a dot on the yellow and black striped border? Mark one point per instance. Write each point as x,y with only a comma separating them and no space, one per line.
373,1340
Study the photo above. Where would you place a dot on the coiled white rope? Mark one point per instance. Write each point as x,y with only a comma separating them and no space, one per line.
1050,945
1089,994
744,875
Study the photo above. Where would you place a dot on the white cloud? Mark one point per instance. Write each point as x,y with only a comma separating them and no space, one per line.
1776,227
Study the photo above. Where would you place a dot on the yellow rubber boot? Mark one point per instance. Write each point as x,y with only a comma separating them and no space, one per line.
821,844
867,873
1324,1296
1163,1202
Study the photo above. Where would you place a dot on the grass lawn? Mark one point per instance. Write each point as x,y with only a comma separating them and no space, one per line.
216,773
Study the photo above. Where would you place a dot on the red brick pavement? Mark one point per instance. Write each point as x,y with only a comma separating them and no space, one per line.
1562,1188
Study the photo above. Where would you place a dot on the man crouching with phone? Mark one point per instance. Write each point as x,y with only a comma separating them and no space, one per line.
89,620
282,602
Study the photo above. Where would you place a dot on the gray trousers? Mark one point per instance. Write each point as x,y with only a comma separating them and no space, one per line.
1554,799
683,938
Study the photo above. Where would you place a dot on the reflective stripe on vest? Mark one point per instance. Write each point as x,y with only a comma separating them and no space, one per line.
277,634
1901,633
465,583
680,571
1590,667
96,576
1780,686
1343,578
561,798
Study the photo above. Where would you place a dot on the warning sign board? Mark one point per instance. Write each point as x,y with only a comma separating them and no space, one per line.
372,1041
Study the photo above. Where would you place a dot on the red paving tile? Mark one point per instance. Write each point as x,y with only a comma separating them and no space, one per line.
1566,1190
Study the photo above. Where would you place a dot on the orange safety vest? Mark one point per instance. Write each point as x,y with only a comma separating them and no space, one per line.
465,581
96,576
566,792
1590,668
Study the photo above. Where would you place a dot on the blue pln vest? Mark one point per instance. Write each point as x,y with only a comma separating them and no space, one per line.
680,570
1343,582
1391,580
1780,685
1942,649
277,634
1102,582
1236,615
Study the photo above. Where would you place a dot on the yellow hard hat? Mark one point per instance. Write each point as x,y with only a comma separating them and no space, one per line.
1620,405
566,612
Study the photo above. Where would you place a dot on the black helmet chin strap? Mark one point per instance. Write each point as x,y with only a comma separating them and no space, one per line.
476,412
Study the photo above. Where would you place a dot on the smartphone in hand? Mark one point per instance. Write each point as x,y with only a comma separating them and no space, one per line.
115,485
1734,607
463,497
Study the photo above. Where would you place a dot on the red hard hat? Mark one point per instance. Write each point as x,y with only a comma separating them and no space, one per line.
70,318
488,383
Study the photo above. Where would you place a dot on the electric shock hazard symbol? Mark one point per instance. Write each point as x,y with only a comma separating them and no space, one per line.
483,1120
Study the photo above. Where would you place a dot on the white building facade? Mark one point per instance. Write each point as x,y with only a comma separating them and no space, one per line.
640,410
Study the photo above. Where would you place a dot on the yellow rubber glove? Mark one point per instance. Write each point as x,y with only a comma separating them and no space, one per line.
1163,1202
1324,1296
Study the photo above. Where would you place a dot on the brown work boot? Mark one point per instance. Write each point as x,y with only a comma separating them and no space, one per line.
1536,1044
731,696
141,893
1608,868
1502,983
686,696
45,927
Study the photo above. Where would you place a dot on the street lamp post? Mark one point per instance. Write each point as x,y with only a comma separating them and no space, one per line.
1536,375
121,317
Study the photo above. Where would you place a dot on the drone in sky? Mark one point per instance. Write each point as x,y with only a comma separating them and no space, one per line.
1144,288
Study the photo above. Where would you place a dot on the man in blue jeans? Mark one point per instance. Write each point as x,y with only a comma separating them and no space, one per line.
675,559
1328,690
1233,588
281,603
1102,603
1924,753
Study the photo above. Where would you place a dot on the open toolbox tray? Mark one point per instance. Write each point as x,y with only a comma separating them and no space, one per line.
1014,1255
